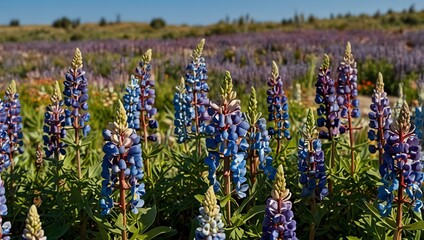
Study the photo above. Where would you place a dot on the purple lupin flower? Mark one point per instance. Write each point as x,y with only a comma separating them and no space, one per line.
347,93
380,119
278,108
14,120
76,100
311,162
132,103
183,113
328,111
279,220
54,130
401,170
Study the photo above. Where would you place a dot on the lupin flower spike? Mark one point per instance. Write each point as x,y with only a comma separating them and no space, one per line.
211,225
122,161
4,139
328,110
227,137
5,229
402,167
258,139
132,103
33,229
13,120
54,127
183,113
77,60
147,96
311,162
279,220
277,107
380,118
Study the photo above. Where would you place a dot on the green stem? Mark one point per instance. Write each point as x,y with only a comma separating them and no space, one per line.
313,210
227,187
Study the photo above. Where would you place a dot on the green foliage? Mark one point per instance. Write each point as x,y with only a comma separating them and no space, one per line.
157,23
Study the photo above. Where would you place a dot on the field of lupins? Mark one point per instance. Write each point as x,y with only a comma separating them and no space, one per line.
170,151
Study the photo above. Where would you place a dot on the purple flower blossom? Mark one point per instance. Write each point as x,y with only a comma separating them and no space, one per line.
279,220
401,170
379,118
14,120
328,111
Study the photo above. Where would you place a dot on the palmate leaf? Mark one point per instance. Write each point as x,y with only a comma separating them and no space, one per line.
151,234
414,226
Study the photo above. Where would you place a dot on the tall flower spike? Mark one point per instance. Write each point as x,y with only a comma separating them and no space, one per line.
14,120
33,229
4,139
277,107
122,161
258,139
132,103
77,60
195,99
311,162
279,220
3,206
147,98
380,118
183,113
401,170
328,110
227,138
54,128
211,225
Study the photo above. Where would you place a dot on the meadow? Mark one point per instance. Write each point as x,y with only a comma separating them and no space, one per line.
128,138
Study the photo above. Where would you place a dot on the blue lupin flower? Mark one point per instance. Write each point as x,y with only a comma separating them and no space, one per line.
402,167
328,110
3,206
14,120
227,133
279,220
311,162
211,224
132,103
147,97
122,163
380,118
278,107
197,89
4,139
76,96
54,120
183,113
258,139
347,87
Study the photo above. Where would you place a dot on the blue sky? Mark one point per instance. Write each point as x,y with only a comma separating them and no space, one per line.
198,12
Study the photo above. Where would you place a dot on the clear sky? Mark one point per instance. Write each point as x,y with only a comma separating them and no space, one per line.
199,12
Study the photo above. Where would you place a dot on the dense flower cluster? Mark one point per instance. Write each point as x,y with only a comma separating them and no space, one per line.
347,87
4,139
122,163
328,111
54,120
14,120
258,139
311,162
197,88
132,103
227,133
147,96
76,96
418,120
183,113
277,106
380,117
211,225
3,206
279,220
33,229
402,168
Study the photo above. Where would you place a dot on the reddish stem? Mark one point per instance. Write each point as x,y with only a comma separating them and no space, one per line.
227,187
122,203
